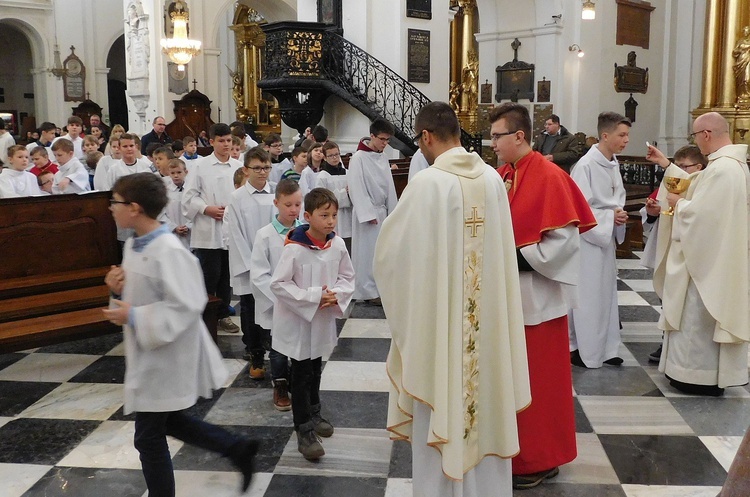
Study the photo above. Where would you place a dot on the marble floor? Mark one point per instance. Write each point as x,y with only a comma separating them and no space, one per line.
63,432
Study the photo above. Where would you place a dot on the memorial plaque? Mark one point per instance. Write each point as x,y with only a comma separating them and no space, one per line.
418,56
421,9
74,78
515,79
633,22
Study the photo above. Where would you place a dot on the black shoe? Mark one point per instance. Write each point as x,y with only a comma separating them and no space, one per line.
615,361
655,356
524,482
308,442
242,455
575,360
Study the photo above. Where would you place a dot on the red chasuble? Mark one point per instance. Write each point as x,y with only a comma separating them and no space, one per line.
543,197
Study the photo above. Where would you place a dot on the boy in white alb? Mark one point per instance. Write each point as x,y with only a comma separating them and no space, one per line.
75,128
313,284
332,175
250,208
15,181
71,177
267,248
170,359
173,211
101,175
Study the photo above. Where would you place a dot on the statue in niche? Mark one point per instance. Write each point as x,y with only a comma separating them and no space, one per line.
469,81
741,54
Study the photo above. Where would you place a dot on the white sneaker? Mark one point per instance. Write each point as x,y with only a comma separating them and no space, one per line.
226,324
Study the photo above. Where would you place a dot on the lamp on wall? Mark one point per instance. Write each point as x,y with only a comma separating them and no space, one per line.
589,10
179,48
575,48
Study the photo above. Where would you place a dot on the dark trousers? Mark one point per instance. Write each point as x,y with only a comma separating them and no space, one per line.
253,334
151,430
305,389
215,266
279,365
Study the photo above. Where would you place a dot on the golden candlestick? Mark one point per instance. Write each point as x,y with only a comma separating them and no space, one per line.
675,185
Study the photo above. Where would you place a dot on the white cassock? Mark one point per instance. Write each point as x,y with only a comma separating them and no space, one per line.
173,215
373,197
79,178
457,364
307,179
101,174
277,169
301,330
702,274
267,249
417,163
248,211
650,234
18,184
338,185
595,324
170,357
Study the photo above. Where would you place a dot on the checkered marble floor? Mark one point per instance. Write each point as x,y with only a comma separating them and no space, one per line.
62,430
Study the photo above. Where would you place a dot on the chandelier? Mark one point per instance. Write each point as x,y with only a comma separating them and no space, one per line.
179,48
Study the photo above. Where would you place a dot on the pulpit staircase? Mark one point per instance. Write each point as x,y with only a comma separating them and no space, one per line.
307,62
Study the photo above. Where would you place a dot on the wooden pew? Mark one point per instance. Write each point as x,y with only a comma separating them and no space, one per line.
54,254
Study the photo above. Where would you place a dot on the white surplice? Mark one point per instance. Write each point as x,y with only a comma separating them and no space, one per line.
277,169
248,211
301,330
307,179
101,174
170,357
173,215
457,365
265,256
338,185
702,274
79,178
18,184
373,197
595,324
417,163
211,182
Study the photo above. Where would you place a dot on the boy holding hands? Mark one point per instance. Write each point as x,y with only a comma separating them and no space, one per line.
158,298
313,284
267,248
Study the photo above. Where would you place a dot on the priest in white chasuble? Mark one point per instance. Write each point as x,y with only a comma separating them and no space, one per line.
595,324
702,266
549,211
445,265
373,197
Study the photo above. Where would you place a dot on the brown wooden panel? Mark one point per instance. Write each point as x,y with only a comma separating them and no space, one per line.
51,282
634,23
53,303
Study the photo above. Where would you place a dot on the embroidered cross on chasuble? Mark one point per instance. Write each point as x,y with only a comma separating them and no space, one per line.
474,201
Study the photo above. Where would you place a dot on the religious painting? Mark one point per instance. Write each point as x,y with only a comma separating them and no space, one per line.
543,90
329,12
541,114
421,9
418,46
486,97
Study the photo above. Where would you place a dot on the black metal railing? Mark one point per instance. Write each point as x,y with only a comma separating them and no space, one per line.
308,54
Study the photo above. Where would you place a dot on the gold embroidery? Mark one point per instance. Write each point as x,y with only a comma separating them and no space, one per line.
472,281
508,184
474,222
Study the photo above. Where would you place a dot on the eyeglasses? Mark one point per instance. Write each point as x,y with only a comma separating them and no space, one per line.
385,139
276,145
333,156
258,169
685,166
113,202
692,135
496,136
418,137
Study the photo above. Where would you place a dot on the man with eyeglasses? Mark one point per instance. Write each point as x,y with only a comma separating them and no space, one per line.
445,263
373,197
702,266
156,135
549,213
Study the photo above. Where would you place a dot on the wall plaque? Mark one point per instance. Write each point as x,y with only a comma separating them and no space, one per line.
74,78
421,9
486,92
543,90
631,78
418,43
515,79
633,22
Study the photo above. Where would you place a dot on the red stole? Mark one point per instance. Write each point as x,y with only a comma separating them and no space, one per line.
542,198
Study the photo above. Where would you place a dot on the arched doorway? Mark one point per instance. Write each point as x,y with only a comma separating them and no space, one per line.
117,84
16,81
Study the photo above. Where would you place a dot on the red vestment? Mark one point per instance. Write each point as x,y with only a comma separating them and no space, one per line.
543,198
